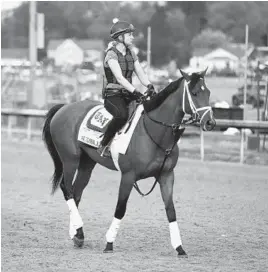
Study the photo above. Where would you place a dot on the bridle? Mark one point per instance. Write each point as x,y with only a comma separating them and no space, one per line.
177,129
195,111
195,116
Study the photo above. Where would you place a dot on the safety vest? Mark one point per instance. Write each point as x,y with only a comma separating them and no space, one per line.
126,64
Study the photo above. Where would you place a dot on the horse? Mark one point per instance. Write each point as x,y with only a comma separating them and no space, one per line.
152,151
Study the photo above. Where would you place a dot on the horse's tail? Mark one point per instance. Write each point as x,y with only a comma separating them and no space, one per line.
46,136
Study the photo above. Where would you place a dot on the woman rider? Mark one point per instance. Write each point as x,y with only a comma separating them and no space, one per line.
120,61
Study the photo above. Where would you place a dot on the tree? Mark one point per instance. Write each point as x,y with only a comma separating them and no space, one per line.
139,15
162,41
176,20
211,39
180,35
174,26
195,14
186,19
56,25
231,18
14,28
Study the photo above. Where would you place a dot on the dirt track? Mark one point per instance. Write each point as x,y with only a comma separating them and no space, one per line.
221,210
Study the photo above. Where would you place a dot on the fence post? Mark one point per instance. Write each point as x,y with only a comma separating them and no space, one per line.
9,126
202,151
242,136
29,128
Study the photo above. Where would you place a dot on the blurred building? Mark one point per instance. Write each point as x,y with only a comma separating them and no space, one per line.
259,54
75,52
231,57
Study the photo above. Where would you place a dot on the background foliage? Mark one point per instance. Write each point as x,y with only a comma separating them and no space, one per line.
177,27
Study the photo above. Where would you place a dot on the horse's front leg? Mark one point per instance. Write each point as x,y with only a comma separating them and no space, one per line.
126,184
166,182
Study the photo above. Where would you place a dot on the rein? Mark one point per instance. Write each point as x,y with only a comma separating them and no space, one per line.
175,130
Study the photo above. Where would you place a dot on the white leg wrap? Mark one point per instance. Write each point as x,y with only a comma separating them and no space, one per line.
113,230
72,230
75,218
175,235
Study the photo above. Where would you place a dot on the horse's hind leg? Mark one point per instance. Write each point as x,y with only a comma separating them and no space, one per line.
70,166
84,171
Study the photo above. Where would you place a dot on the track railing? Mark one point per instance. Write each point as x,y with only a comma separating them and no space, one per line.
30,131
29,114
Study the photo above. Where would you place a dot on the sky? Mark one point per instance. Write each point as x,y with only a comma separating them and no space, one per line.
5,4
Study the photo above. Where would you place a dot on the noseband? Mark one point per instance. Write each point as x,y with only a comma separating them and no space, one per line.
195,111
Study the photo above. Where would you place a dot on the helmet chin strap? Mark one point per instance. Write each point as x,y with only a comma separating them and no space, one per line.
124,41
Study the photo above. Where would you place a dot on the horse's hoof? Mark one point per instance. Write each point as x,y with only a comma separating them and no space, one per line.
181,252
183,256
79,238
109,248
78,243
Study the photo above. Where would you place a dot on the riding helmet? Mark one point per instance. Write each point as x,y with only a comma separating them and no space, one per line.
120,27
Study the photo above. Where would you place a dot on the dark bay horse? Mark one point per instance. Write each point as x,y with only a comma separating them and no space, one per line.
152,152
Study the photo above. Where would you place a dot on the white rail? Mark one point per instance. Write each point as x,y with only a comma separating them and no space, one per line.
30,114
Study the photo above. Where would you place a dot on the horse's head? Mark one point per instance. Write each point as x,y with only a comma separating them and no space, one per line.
195,99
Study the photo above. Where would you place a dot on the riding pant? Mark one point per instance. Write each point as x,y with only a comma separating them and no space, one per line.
117,106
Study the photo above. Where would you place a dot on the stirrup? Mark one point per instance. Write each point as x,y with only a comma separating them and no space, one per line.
103,151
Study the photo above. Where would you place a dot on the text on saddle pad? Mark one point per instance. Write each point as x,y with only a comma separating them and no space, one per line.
90,137
101,118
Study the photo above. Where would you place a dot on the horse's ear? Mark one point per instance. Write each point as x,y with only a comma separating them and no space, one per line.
185,75
202,74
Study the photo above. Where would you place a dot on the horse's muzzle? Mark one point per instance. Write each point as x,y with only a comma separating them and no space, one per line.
209,124
207,121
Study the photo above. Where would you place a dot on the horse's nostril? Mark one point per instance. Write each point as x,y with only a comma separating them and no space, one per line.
210,124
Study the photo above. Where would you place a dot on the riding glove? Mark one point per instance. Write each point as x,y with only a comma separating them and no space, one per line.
138,95
150,91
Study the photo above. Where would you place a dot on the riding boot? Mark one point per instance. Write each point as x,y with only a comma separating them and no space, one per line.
112,128
103,149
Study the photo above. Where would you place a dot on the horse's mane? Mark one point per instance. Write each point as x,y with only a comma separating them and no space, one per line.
172,87
159,98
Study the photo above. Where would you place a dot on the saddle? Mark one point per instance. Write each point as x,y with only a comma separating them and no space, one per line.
95,124
100,120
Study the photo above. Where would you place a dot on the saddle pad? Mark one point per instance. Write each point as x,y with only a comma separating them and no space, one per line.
89,135
93,126
99,120
120,143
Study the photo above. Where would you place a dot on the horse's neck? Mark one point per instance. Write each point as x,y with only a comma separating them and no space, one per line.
169,112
